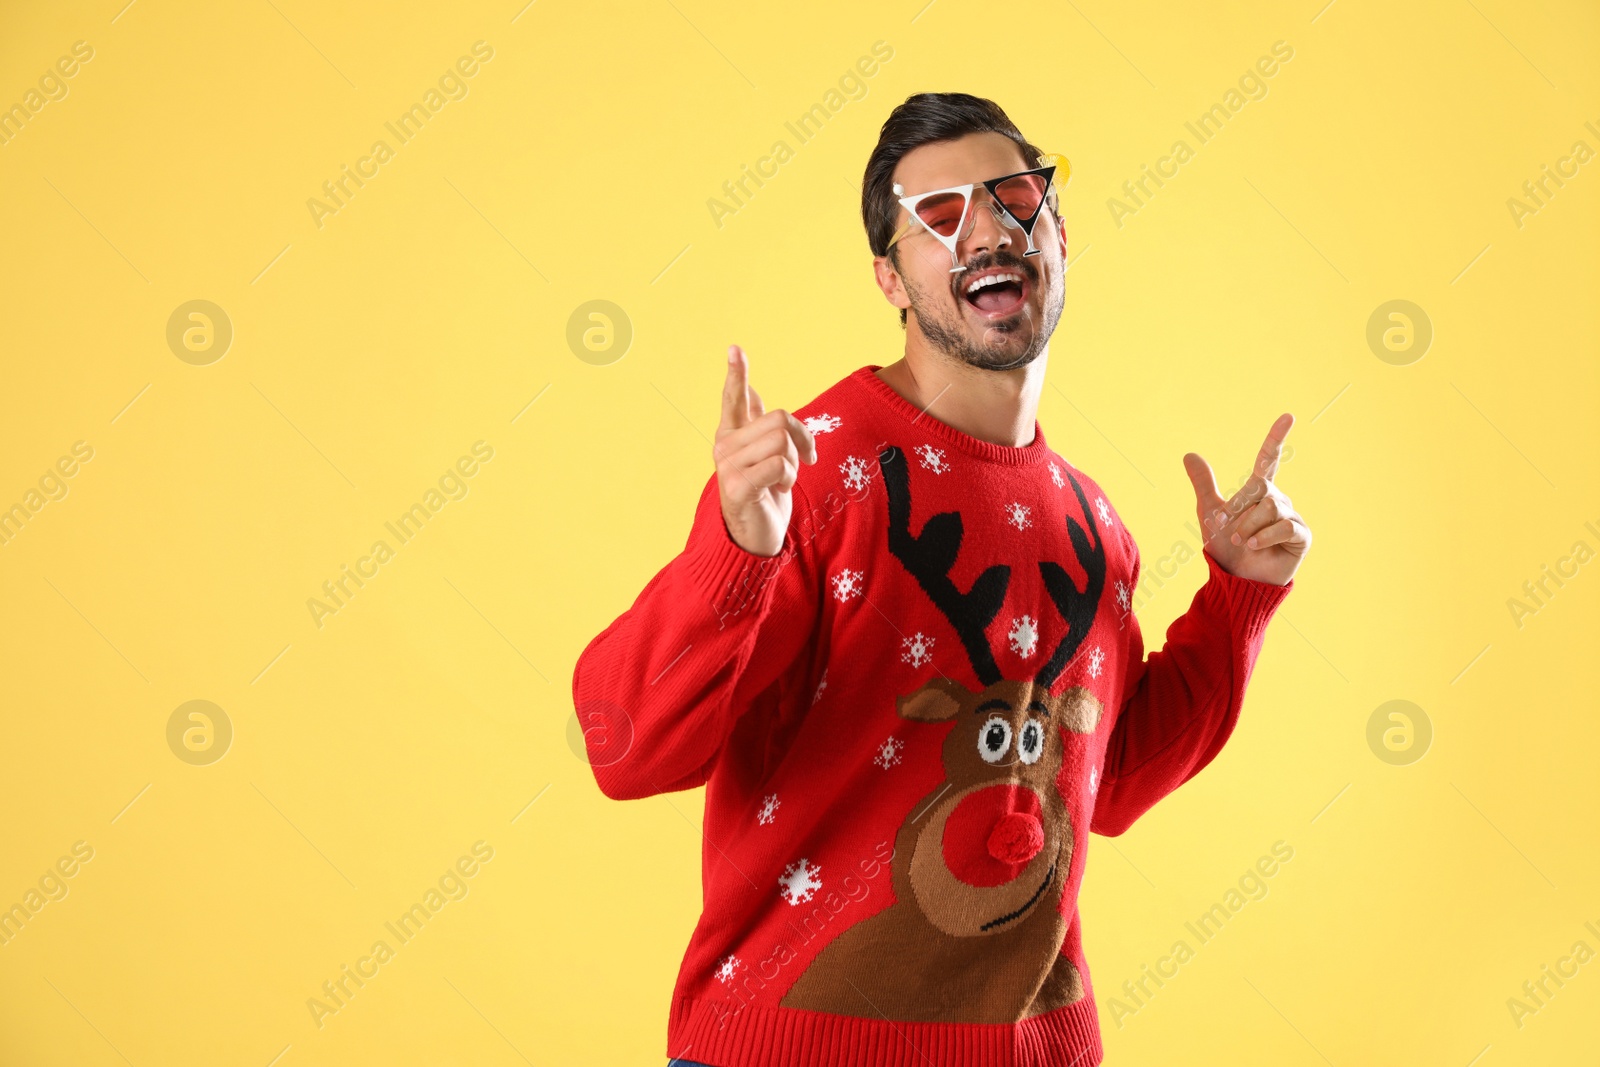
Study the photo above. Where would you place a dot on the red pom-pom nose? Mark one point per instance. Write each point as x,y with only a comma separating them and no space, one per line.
1017,838
993,833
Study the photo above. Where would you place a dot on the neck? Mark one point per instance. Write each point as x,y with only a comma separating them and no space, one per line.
997,406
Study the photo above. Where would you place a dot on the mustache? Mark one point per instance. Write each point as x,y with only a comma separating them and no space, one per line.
994,260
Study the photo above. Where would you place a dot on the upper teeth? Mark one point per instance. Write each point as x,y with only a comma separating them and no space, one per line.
993,279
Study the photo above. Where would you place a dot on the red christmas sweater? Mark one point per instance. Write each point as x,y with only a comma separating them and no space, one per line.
907,722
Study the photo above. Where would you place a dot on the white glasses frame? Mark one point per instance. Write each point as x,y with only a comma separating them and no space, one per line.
1051,165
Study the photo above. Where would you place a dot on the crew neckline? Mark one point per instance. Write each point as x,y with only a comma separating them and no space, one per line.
1036,451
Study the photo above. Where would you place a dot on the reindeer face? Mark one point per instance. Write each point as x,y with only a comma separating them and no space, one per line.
997,837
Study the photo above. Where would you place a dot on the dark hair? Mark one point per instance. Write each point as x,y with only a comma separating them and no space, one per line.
924,118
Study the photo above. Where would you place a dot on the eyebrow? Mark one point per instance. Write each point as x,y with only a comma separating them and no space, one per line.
1003,706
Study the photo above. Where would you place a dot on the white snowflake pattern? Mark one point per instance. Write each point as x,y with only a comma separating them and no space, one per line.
932,458
1024,635
857,475
846,585
823,423
822,684
725,969
799,881
769,809
1104,509
1096,659
1055,476
1018,515
917,646
1123,599
1094,780
889,753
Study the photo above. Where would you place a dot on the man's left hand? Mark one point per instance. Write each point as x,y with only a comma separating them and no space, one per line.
1255,534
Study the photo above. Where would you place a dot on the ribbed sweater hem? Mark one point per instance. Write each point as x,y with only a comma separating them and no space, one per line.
783,1037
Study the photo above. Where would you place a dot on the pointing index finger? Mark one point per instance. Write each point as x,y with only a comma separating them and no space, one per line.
1264,469
735,394
1272,447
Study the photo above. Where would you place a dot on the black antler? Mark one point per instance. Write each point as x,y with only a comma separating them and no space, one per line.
929,557
1077,606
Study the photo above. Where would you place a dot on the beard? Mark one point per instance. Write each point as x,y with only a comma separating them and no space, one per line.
1004,344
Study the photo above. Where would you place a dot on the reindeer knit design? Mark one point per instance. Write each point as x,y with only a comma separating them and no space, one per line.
947,703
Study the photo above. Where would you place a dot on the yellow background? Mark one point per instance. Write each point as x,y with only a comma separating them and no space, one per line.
432,711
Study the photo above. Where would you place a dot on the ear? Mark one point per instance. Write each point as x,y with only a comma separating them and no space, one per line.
1078,710
889,281
939,699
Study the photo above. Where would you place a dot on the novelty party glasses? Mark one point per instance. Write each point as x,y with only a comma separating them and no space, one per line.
1015,200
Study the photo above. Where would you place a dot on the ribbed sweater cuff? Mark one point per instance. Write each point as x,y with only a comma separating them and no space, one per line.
732,580
1247,604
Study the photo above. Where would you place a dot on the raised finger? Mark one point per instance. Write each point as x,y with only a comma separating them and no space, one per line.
1206,493
1272,448
735,401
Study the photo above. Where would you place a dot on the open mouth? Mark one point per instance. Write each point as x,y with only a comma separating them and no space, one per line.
995,294
1050,874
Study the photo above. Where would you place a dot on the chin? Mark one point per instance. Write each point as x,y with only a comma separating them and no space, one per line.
1001,359
959,333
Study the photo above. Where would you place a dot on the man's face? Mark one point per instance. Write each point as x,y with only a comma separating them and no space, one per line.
1009,325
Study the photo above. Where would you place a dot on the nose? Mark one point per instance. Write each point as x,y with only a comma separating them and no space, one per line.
1016,839
992,834
989,231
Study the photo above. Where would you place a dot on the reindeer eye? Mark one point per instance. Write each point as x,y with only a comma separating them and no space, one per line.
994,739
1030,741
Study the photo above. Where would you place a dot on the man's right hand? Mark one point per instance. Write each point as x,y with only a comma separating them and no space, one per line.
758,455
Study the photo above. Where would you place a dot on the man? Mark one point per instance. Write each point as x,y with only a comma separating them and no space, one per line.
898,649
